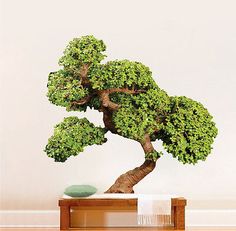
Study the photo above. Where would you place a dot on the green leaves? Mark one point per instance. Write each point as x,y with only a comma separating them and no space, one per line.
71,136
63,89
134,123
184,125
154,156
140,114
83,50
154,99
65,86
120,74
188,131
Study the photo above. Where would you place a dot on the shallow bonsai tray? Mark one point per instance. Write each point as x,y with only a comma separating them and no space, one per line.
177,209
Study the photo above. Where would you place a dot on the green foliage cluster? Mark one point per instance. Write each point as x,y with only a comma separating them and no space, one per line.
188,131
120,74
154,155
155,100
184,125
140,114
63,89
64,86
83,50
71,136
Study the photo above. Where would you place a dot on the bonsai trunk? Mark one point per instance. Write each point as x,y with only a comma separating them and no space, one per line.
125,182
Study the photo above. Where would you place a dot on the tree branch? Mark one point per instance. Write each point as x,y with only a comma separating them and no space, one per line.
147,144
107,119
124,90
84,100
83,75
105,99
103,94
106,102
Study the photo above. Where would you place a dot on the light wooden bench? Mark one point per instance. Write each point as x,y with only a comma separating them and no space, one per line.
177,209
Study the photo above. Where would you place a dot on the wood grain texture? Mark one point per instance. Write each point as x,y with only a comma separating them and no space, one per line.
64,217
178,212
177,209
120,229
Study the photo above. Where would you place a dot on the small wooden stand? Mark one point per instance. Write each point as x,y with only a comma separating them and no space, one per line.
177,209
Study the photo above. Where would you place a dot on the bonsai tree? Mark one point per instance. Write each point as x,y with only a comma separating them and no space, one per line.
133,106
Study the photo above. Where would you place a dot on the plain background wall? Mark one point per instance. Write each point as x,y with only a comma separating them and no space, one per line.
189,45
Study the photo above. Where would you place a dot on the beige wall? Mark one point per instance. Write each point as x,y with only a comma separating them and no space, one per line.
190,47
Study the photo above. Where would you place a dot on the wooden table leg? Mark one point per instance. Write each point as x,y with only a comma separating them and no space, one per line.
64,217
178,213
179,218
177,210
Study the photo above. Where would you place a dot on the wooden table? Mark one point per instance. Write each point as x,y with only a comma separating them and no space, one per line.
177,209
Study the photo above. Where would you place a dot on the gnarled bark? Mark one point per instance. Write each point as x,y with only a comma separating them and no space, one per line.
107,119
83,75
106,102
125,182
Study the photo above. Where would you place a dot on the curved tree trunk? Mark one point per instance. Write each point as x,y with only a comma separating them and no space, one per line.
125,182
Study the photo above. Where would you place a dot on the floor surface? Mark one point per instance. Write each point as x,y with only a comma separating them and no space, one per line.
119,229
